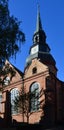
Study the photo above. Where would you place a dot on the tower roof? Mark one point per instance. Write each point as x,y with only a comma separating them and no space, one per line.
40,49
38,23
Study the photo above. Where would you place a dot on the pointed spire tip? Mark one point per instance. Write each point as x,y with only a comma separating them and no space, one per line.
38,25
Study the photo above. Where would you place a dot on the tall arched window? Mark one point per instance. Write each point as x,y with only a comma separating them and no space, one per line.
14,93
34,101
0,101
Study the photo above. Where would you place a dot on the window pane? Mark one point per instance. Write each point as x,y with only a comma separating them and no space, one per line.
0,102
14,94
35,96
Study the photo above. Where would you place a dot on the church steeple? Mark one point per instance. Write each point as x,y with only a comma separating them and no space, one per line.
39,34
40,49
38,23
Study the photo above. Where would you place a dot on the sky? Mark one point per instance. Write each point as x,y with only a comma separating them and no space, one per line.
52,18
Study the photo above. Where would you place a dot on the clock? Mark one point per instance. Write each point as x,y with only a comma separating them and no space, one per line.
34,49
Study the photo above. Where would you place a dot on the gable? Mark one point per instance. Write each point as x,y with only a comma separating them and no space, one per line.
13,75
37,66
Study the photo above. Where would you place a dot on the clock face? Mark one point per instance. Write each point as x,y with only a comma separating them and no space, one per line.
34,49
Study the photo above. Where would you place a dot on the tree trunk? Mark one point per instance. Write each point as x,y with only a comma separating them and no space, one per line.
23,117
27,118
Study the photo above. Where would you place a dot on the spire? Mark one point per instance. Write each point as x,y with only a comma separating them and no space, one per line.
38,24
39,34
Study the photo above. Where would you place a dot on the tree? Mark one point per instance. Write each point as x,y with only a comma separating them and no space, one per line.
10,33
10,37
23,101
4,72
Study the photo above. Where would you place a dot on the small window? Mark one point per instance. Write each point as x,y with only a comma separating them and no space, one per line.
6,81
34,70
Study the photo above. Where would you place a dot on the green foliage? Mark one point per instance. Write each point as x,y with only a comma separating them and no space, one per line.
6,71
10,33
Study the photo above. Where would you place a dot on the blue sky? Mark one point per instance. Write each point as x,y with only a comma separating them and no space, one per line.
52,18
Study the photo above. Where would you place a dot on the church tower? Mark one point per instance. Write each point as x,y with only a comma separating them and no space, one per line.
40,72
40,49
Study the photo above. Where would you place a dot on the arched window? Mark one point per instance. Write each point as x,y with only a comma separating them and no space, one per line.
34,100
0,102
14,93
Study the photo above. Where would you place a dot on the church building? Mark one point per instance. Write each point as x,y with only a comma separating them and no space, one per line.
39,76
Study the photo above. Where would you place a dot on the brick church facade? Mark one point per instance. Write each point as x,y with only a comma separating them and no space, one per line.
40,72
